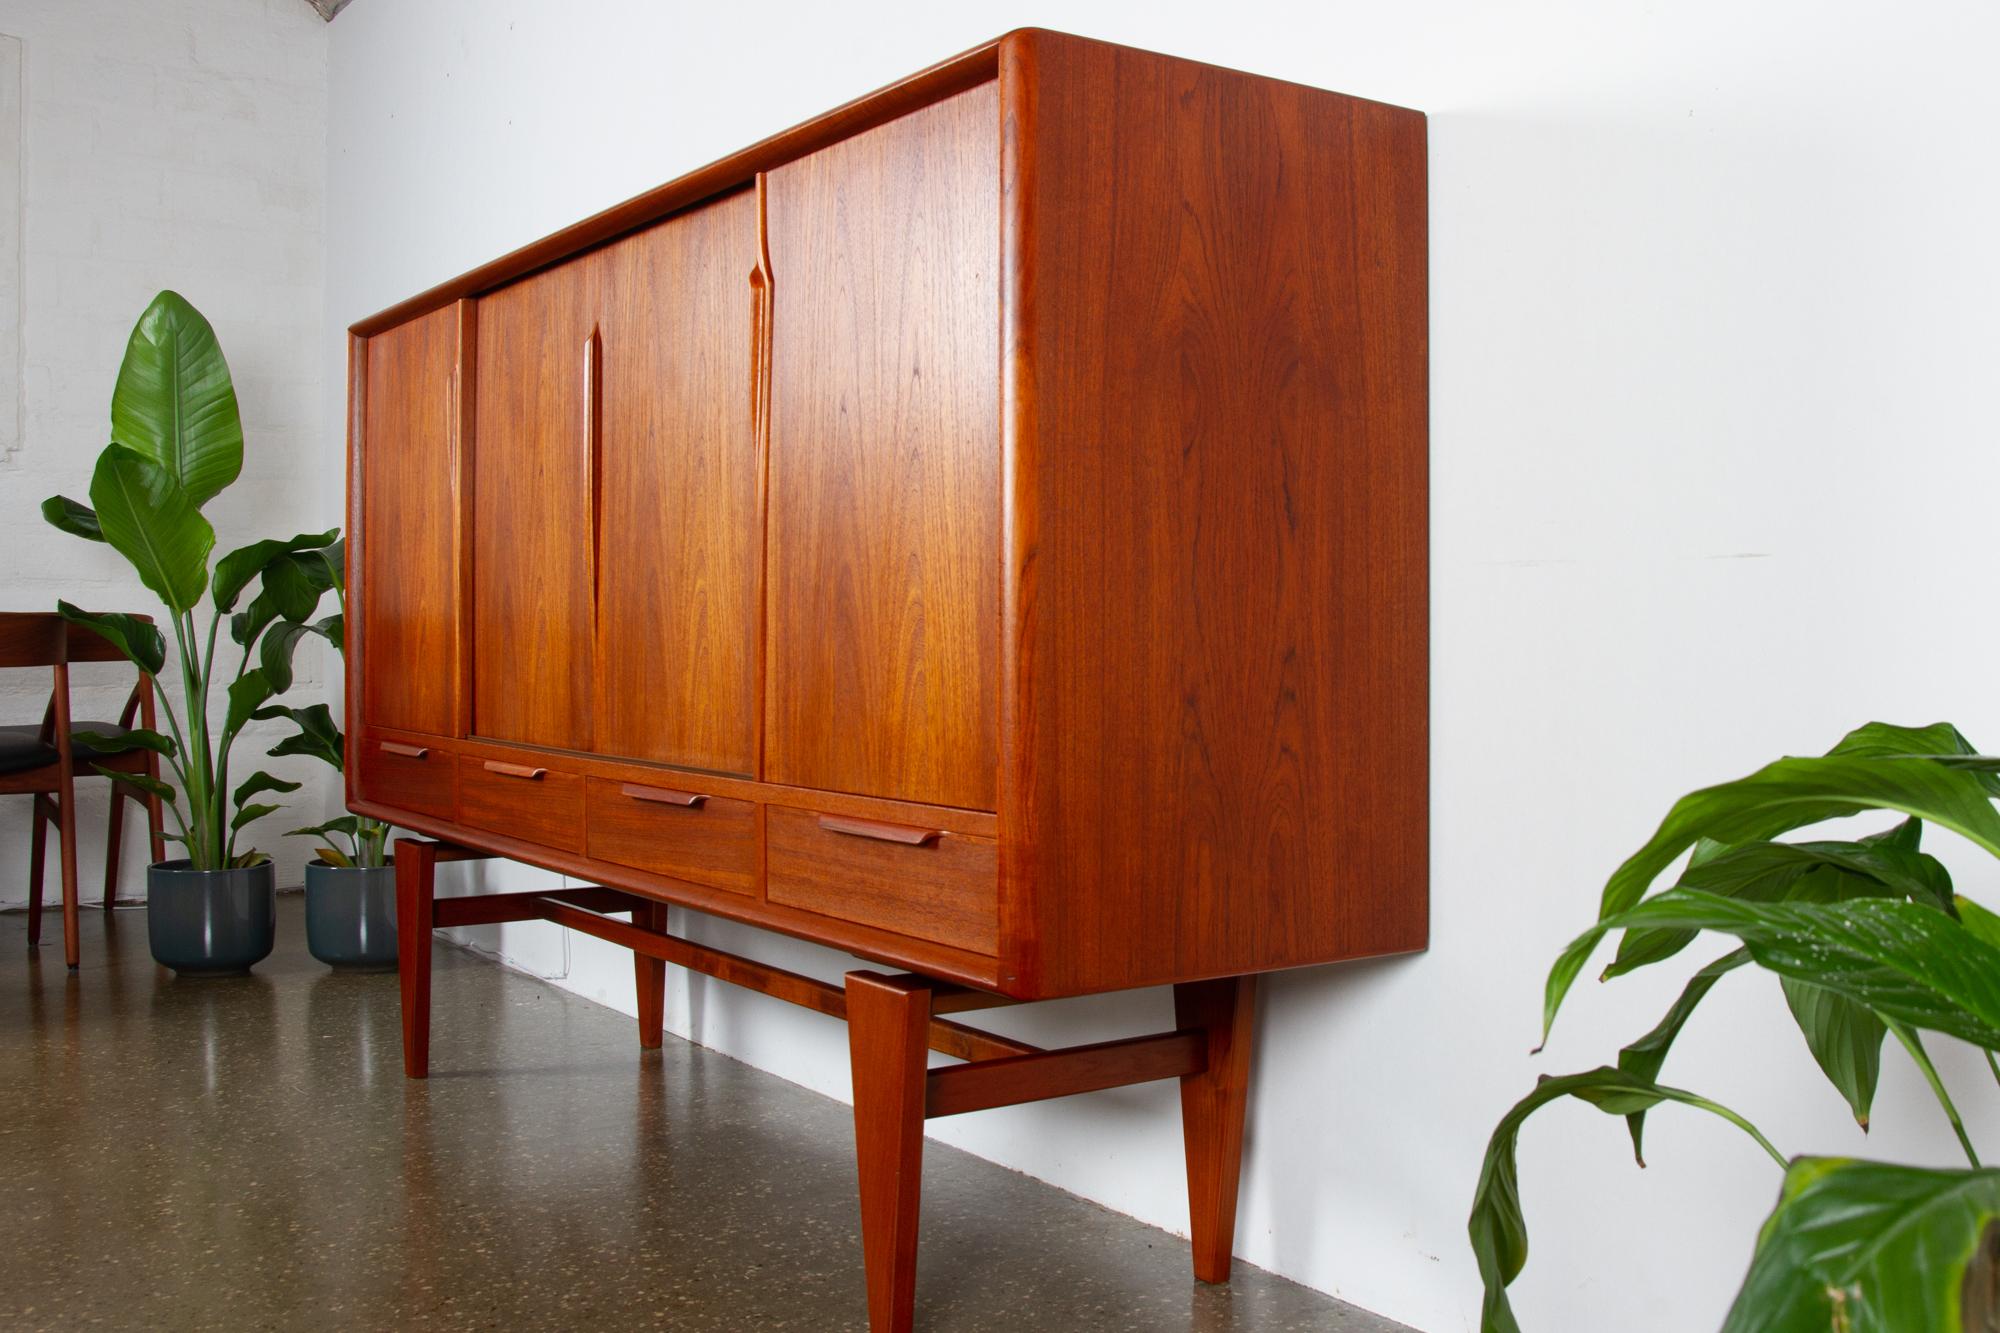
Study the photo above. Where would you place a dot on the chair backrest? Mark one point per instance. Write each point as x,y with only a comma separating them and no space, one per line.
33,638
87,645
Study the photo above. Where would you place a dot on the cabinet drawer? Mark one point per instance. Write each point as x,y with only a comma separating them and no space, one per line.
915,881
521,799
407,774
677,831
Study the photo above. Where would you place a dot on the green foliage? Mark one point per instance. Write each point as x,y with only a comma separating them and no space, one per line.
176,443
1868,940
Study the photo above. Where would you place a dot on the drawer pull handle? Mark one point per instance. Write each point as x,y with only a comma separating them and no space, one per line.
881,831
515,770
664,795
406,751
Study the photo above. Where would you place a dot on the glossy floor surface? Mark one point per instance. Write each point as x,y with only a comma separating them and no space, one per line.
246,1154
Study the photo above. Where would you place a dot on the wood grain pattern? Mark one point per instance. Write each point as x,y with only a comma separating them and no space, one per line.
1217,521
941,890
532,497
547,809
884,504
403,774
713,842
680,532
407,591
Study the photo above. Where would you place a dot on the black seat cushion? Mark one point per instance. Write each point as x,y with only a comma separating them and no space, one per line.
12,738
20,751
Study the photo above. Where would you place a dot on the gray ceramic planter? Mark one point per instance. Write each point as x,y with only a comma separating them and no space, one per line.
351,916
211,922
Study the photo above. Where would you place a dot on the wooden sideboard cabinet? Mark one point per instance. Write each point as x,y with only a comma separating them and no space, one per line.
982,529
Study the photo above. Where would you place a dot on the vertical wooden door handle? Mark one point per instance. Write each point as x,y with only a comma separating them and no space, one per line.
592,427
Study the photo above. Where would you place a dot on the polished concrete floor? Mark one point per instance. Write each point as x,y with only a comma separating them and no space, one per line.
246,1154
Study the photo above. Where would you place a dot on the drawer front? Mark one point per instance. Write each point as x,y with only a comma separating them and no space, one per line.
523,800
942,887
407,774
677,831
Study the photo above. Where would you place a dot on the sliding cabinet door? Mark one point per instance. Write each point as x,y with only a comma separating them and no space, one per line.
885,460
680,538
532,504
407,585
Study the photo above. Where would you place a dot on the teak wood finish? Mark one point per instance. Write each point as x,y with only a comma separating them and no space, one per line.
982,529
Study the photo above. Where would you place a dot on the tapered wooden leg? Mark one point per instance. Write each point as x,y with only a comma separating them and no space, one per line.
416,893
888,1026
38,847
72,920
114,839
650,975
1212,1107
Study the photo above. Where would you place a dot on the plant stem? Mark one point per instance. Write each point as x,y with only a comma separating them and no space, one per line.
1745,1126
1994,1065
1916,1049
195,746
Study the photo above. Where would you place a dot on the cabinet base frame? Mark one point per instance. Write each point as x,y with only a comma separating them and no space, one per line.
893,1022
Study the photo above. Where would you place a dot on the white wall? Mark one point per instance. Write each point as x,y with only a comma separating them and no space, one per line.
1713,453
171,143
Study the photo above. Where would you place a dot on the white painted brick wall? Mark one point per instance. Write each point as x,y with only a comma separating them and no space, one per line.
166,143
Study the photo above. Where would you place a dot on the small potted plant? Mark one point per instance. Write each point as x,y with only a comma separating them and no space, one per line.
351,887
176,443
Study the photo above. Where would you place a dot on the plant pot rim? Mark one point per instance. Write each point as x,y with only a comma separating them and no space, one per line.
388,863
179,866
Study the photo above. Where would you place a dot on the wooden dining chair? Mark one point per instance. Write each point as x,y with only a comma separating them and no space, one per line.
36,761
89,646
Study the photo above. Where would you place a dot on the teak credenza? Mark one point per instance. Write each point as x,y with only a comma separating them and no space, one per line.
982,529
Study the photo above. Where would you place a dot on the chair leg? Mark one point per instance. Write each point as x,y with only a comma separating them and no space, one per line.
156,816
416,896
888,1026
1212,1111
650,975
72,922
114,839
38,846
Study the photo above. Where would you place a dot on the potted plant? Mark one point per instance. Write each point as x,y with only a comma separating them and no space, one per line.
351,886
176,443
1869,940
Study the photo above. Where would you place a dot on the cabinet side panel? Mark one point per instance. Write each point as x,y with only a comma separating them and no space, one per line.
1220,531
681,536
883,601
408,585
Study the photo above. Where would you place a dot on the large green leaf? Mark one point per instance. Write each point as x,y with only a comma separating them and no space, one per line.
275,653
288,581
234,571
259,782
1979,921
78,520
1885,863
247,694
1645,1057
1845,1039
154,524
1868,1247
135,738
174,403
1499,1231
1788,794
140,640
247,624
317,735
1902,961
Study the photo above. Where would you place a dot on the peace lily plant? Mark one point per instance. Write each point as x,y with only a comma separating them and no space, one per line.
1869,940
177,443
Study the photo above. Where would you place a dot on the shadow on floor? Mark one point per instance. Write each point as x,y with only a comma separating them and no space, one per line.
246,1154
